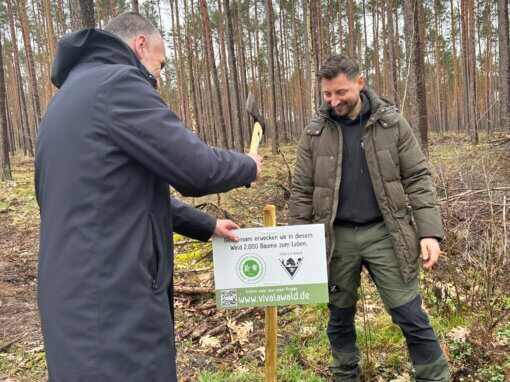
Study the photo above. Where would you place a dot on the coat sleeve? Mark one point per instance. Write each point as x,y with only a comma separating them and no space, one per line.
301,195
191,222
142,125
417,183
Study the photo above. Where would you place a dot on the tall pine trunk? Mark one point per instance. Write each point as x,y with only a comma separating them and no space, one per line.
504,64
30,62
417,115
27,137
5,164
214,72
237,120
82,14
273,125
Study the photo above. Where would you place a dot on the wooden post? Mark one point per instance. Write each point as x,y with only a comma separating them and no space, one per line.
271,314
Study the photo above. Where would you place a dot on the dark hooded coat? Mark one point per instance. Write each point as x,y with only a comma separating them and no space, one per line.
108,149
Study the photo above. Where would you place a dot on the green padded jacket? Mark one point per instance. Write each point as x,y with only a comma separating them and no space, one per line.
398,170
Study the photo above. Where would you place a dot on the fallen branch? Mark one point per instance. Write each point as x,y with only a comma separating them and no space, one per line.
222,327
192,290
6,346
500,141
471,192
218,329
209,305
194,270
185,242
227,349
224,213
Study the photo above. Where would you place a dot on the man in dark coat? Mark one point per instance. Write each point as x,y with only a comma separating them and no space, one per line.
108,149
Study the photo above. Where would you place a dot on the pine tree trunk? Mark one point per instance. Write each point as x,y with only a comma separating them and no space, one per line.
392,55
314,27
30,61
214,72
82,14
28,146
272,125
310,57
61,23
472,89
300,87
113,8
340,29
438,69
52,40
417,115
5,164
237,120
375,26
241,61
366,64
226,93
196,116
350,21
134,6
504,64
456,72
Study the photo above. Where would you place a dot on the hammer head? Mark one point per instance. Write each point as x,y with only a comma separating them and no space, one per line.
254,112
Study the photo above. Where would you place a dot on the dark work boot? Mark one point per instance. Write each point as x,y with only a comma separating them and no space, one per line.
345,367
435,371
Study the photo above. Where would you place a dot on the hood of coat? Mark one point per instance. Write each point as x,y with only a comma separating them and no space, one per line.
379,109
89,46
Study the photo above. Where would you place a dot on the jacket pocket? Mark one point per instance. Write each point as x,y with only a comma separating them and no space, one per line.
409,237
156,261
389,167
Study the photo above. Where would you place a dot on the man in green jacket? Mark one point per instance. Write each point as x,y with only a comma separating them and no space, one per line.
361,173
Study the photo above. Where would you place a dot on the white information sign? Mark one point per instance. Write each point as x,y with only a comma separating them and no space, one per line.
271,266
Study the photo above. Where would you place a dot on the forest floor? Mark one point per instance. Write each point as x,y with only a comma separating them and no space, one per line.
467,295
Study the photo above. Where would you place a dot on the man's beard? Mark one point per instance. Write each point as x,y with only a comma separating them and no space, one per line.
345,108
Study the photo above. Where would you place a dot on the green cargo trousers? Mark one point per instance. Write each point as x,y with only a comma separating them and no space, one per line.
371,246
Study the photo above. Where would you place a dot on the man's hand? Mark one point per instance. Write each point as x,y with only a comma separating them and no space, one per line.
430,252
258,160
223,228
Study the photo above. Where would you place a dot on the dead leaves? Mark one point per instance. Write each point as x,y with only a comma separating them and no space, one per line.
240,332
209,342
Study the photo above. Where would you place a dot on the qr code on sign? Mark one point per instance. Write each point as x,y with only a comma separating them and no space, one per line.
228,298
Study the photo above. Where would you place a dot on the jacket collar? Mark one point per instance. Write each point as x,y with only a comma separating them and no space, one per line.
380,110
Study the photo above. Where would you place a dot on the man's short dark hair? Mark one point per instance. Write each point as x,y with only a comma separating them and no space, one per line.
337,64
128,25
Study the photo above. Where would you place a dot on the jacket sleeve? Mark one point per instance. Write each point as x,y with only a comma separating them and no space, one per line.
191,222
417,182
301,195
142,124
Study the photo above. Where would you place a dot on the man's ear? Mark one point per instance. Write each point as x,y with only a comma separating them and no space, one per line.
139,44
360,82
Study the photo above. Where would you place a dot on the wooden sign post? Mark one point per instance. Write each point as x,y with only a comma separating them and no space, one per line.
271,342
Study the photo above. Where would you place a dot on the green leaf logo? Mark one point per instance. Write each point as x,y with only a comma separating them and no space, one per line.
251,268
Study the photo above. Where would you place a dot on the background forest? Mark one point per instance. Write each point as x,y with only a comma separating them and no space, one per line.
443,63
